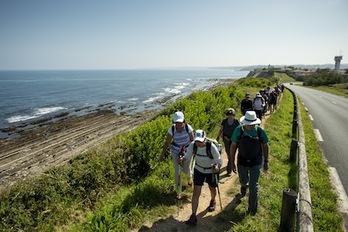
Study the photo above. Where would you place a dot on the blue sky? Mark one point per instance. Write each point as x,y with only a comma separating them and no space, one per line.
115,34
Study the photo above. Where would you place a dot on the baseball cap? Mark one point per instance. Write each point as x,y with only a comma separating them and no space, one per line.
178,116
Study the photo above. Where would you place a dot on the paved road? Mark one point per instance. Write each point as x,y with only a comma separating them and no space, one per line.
330,118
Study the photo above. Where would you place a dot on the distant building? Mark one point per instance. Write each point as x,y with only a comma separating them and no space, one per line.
337,63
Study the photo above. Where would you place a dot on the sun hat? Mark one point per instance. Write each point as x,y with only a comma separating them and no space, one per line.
250,119
178,116
258,95
247,95
199,135
230,111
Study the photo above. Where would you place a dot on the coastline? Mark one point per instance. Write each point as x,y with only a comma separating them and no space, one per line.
36,145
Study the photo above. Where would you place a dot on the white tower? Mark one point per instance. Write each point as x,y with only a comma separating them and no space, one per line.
337,63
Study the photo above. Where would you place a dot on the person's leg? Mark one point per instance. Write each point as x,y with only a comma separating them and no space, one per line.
243,173
176,171
195,198
188,170
253,188
227,145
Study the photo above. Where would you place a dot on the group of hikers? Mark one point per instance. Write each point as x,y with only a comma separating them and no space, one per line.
200,158
265,100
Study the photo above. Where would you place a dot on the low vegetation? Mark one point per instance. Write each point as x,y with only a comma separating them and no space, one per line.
120,184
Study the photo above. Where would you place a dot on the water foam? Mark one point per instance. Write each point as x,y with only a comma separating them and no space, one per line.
37,113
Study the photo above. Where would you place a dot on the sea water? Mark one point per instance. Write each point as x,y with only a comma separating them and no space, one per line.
29,95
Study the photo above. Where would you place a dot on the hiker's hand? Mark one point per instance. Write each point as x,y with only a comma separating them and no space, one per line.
216,169
180,160
234,169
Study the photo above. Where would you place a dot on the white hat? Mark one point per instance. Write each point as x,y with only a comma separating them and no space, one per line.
258,95
178,116
250,118
199,135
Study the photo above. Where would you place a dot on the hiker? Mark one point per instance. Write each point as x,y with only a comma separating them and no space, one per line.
179,136
207,163
258,105
264,95
273,101
227,127
252,143
246,104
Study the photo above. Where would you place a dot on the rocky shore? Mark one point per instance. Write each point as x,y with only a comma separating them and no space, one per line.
35,146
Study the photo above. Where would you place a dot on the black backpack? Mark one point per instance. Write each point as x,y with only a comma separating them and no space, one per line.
249,155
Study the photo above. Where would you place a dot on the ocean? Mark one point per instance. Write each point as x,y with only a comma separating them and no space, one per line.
31,95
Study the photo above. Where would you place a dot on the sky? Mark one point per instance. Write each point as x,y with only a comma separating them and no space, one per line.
127,34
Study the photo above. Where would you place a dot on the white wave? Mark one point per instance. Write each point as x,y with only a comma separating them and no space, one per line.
133,99
37,113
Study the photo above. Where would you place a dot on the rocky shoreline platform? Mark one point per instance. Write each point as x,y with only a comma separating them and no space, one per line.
33,147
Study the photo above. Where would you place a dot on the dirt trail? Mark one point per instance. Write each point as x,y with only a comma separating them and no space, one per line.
54,143
216,221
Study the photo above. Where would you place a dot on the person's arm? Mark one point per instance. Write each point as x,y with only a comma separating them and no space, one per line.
265,150
219,133
166,145
233,149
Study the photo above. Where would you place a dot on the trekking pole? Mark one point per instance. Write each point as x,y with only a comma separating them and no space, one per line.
216,178
217,185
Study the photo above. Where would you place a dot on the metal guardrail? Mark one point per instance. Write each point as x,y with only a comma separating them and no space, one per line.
303,202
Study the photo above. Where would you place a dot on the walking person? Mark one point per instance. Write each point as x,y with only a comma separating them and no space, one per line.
227,127
252,143
207,163
246,104
179,136
258,105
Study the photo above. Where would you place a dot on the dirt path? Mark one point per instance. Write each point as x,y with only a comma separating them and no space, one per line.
49,143
216,221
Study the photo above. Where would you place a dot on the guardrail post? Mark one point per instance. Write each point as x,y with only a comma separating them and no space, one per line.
293,150
287,220
294,128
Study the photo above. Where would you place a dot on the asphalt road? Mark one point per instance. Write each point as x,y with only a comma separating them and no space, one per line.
329,114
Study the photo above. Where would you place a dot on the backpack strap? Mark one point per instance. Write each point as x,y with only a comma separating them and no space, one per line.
208,149
258,133
186,128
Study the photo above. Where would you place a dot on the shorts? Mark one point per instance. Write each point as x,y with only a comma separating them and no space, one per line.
199,178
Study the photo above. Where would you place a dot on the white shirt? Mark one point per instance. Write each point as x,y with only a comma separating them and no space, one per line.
203,163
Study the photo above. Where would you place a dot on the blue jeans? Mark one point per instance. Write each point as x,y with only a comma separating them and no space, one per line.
250,176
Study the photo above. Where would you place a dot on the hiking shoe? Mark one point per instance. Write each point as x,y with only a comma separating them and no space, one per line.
228,174
192,220
212,205
243,190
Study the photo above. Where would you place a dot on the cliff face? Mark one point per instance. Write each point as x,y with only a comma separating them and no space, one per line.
261,73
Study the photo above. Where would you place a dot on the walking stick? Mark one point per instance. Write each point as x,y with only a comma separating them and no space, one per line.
217,185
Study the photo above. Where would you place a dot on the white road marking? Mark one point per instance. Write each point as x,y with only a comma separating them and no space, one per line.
342,195
334,103
310,117
318,135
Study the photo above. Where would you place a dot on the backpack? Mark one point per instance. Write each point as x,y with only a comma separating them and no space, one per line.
250,155
262,101
208,147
